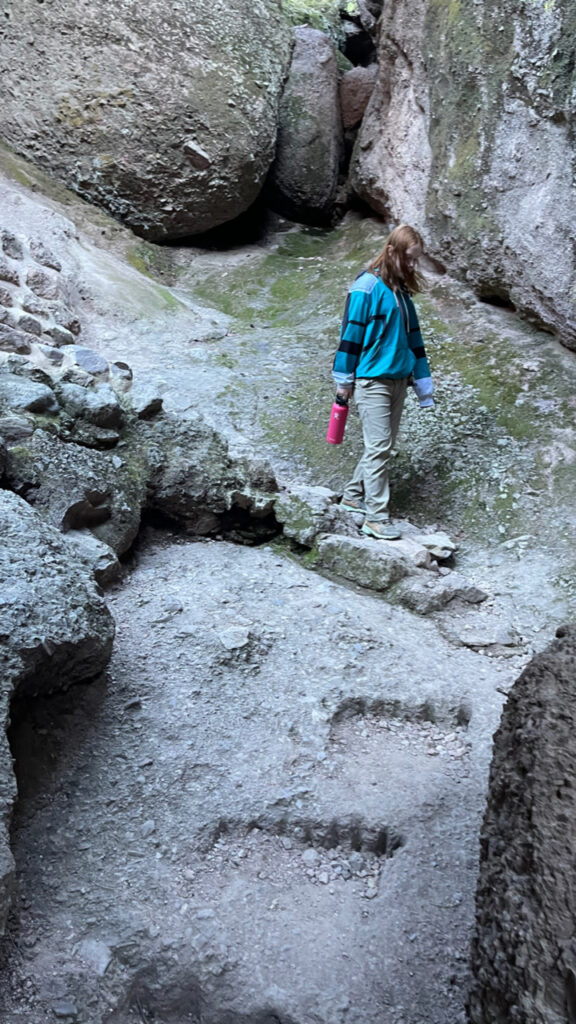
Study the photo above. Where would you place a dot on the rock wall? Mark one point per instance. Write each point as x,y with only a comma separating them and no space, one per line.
524,953
165,114
470,136
55,630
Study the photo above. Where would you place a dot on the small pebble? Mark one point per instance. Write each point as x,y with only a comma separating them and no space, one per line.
64,1009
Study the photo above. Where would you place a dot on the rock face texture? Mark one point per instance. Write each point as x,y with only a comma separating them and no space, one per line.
55,630
304,178
469,135
165,115
524,951
392,160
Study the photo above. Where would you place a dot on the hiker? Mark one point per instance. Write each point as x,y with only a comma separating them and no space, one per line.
380,352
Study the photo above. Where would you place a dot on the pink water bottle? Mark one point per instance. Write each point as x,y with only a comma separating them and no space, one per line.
337,422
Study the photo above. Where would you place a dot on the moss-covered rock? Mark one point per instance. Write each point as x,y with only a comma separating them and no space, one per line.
481,96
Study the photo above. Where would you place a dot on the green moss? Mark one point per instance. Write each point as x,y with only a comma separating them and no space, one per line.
225,359
320,14
309,559
297,284
152,260
471,50
168,300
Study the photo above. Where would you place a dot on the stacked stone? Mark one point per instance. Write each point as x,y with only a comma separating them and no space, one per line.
31,304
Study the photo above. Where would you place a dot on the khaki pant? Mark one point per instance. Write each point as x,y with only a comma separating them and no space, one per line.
380,401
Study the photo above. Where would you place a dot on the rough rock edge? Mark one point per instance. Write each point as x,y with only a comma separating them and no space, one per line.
55,631
523,954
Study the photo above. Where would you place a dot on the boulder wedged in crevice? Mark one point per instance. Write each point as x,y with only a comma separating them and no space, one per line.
303,181
523,951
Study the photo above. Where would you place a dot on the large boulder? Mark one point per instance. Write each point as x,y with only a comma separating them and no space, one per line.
469,136
304,178
55,630
164,115
524,950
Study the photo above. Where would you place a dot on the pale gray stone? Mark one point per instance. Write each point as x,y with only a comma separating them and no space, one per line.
99,405
12,246
14,428
145,400
97,555
373,564
12,340
30,324
86,359
42,254
42,283
23,395
8,272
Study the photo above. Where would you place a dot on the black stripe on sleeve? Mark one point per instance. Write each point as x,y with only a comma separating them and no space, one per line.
353,347
414,330
419,352
359,323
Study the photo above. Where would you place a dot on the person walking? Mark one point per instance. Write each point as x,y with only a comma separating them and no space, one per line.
380,351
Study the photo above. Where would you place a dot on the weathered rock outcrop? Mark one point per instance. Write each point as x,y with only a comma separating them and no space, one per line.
412,571
55,630
166,116
469,136
524,953
60,465
304,177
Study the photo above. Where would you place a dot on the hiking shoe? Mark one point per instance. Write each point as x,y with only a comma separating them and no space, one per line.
381,531
353,505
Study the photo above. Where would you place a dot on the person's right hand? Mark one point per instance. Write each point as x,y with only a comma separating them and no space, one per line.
344,392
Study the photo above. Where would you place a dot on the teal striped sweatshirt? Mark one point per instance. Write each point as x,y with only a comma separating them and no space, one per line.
380,337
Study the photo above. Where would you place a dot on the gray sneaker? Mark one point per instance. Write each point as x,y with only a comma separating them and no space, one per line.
381,531
353,505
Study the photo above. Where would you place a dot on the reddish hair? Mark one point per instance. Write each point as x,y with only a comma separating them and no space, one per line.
392,265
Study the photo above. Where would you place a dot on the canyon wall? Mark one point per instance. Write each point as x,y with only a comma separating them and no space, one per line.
469,135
